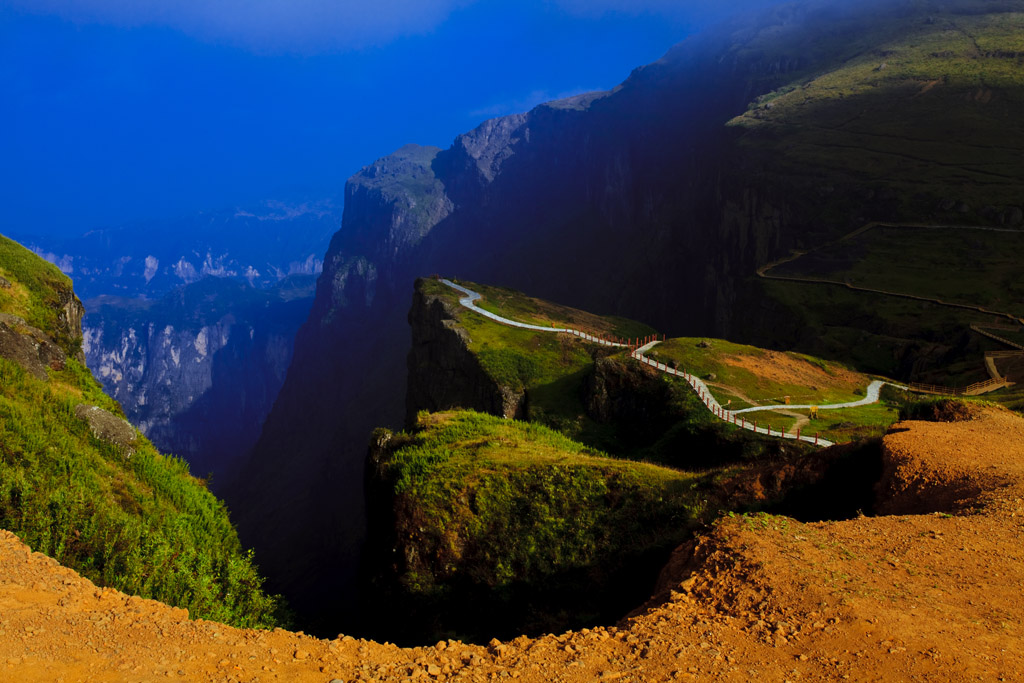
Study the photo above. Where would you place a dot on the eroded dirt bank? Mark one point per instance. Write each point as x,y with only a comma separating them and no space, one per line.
930,593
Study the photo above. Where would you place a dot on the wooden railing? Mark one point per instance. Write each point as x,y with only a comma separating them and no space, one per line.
976,389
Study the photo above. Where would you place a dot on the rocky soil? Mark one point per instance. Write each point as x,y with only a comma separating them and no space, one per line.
930,594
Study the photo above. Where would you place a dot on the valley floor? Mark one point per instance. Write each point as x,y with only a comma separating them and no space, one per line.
928,592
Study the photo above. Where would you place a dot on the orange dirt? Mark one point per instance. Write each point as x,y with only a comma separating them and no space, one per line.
929,597
785,369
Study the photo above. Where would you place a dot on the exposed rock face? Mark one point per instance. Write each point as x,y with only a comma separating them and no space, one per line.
108,427
582,202
28,346
624,392
347,378
444,373
639,202
199,370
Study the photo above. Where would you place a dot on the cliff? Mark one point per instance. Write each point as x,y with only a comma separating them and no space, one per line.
443,372
199,369
783,598
658,200
80,484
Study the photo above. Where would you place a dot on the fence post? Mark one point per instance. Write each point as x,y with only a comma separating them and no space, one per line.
815,438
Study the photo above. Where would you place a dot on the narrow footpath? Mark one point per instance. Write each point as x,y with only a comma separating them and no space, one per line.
734,417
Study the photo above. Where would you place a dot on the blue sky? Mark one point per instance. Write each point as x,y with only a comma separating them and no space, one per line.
121,110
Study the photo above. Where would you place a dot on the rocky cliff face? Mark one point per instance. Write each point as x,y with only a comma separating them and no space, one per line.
641,202
199,370
443,372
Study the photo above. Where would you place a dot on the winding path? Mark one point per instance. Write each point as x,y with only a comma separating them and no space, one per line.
735,417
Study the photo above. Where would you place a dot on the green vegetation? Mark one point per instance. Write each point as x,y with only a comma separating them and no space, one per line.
38,292
125,517
745,376
901,116
514,305
944,69
763,376
504,507
979,267
551,368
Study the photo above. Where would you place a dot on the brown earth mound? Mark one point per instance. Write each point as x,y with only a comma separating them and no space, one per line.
929,597
784,368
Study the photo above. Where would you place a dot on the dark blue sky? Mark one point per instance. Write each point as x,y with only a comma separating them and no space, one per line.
121,110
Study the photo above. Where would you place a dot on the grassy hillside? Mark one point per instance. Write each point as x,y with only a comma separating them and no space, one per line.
905,116
519,517
922,103
37,293
117,511
742,376
596,394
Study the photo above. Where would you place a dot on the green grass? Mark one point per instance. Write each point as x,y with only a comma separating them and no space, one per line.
873,332
551,368
514,305
761,375
134,520
555,370
38,292
943,77
766,377
139,523
978,267
850,424
497,502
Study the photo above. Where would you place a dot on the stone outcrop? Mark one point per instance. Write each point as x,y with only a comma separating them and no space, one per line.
108,427
444,373
198,370
28,346
640,202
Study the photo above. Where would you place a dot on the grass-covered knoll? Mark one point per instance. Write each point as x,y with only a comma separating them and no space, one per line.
550,367
137,521
979,267
922,99
759,376
512,509
126,517
37,292
515,305
742,376
598,395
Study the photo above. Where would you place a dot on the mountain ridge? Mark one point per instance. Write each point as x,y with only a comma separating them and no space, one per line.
645,204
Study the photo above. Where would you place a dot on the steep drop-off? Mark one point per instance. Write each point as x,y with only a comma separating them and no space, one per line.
198,370
931,597
79,483
646,201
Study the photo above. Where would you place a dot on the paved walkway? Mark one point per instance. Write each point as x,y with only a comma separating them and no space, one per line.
716,408
871,396
735,417
469,301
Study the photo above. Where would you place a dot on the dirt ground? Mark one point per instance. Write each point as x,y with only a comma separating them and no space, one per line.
785,369
930,592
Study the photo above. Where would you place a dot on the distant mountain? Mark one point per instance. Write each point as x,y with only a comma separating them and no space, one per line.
198,370
260,244
659,200
80,484
190,323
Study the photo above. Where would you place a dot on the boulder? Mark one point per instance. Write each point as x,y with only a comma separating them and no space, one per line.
108,427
